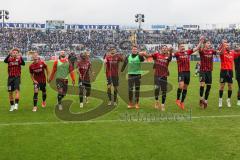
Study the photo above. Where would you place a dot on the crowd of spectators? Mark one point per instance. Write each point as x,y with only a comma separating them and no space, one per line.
49,41
191,36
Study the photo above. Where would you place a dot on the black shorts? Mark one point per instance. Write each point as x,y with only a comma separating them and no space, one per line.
226,76
184,77
13,84
113,81
160,82
62,85
85,84
41,86
205,77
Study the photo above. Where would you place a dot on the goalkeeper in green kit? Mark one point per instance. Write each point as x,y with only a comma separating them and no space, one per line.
134,75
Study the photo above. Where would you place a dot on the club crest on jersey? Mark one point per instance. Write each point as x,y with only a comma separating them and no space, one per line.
208,56
228,56
184,56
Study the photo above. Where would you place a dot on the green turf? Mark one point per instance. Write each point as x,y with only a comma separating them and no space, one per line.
26,135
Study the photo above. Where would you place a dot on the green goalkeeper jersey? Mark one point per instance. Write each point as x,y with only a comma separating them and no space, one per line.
134,64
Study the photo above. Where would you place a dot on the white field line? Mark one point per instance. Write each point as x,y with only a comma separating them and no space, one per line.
59,122
103,121
222,116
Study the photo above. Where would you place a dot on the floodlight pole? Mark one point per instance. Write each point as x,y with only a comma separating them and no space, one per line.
4,14
139,19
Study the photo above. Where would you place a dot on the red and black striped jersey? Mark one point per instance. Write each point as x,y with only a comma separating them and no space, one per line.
227,59
112,64
206,59
183,60
38,71
161,62
14,65
84,67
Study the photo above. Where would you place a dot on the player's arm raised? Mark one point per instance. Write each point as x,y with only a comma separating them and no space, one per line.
22,61
141,58
236,52
202,38
170,51
174,54
237,49
7,58
222,47
145,54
